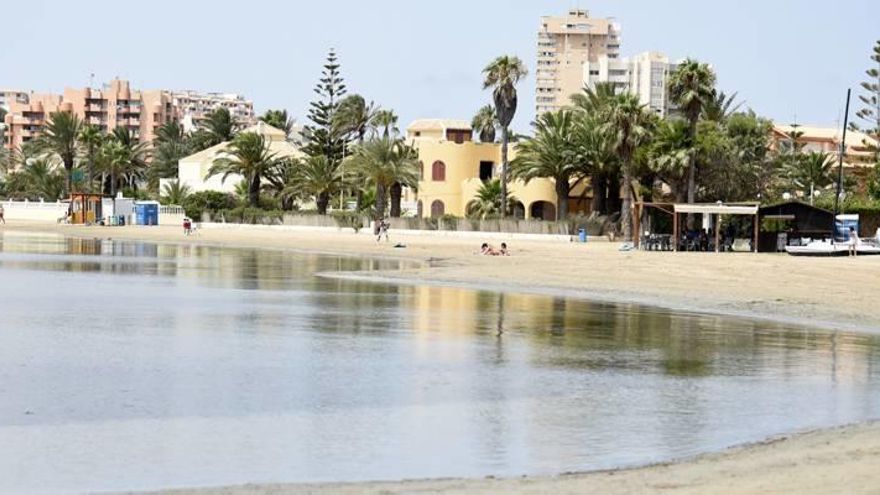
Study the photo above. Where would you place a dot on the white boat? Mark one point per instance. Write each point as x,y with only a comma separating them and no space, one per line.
828,248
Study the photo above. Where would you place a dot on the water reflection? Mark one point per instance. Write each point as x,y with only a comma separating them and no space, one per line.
133,360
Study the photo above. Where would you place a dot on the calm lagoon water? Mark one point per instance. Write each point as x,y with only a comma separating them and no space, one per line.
130,365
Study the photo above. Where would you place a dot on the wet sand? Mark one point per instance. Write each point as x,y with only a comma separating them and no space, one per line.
830,293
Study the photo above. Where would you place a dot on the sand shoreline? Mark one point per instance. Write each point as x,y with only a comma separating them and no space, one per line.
831,294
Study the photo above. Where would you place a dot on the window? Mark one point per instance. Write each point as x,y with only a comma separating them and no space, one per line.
437,209
486,169
594,72
421,170
438,172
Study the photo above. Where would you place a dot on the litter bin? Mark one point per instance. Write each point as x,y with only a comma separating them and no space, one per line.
121,222
582,235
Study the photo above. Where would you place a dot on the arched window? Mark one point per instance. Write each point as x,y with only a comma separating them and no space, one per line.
438,171
421,170
437,209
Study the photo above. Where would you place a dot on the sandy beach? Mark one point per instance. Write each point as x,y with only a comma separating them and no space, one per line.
828,293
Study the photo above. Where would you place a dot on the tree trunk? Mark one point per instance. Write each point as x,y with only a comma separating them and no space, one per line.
562,192
626,209
613,203
113,184
396,195
254,192
380,201
692,172
504,141
91,171
322,201
599,185
68,167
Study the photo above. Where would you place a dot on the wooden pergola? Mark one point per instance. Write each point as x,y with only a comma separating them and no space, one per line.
711,209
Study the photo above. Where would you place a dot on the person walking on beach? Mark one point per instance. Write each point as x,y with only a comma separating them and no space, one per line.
854,242
383,230
2,214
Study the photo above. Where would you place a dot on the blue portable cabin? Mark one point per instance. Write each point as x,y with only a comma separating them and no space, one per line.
146,212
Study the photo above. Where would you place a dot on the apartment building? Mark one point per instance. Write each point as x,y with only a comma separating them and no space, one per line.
645,75
566,45
114,105
192,107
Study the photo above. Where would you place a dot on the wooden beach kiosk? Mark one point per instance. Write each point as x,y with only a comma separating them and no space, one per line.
85,208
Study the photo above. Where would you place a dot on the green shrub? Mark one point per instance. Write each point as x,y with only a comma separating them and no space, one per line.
249,215
448,222
200,202
348,219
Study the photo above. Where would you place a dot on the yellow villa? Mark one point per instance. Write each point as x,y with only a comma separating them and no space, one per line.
453,167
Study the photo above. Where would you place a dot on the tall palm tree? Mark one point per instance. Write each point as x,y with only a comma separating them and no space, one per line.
597,154
810,171
91,138
386,120
250,156
384,161
170,145
315,177
61,137
354,116
487,202
670,154
553,154
629,124
43,179
691,88
502,75
485,122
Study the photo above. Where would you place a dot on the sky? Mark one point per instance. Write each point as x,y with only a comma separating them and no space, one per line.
787,59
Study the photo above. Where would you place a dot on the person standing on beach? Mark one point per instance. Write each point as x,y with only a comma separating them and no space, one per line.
383,230
853,242
2,215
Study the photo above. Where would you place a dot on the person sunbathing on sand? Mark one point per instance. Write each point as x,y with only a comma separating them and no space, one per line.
487,250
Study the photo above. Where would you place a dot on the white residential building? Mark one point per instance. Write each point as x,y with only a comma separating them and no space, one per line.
645,75
193,106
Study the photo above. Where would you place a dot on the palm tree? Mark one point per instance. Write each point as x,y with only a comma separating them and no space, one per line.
218,127
629,125
61,137
279,120
316,177
487,202
502,75
250,156
810,171
670,155
692,88
113,161
174,193
44,179
354,116
386,120
170,145
384,161
721,107
596,153
91,138
552,153
485,122
136,155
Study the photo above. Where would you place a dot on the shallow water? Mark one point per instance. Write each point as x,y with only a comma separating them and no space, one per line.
130,365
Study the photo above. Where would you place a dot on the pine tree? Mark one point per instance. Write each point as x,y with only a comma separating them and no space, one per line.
870,111
322,137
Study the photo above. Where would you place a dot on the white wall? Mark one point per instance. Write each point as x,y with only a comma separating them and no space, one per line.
35,211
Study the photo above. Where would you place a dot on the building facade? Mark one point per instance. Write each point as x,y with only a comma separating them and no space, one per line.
645,75
193,107
453,167
566,45
114,105
859,145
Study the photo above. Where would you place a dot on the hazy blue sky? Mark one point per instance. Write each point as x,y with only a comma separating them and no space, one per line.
423,59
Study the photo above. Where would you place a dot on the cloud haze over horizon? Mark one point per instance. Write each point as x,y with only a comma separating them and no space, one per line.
785,58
